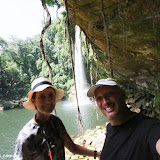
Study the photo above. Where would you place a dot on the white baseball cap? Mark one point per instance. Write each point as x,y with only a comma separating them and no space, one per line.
101,82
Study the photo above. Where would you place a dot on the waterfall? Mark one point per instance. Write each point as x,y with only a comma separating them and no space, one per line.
80,77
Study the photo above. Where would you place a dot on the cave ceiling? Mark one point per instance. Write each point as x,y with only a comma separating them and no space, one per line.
128,31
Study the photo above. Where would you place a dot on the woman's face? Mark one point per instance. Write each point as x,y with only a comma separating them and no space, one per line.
45,100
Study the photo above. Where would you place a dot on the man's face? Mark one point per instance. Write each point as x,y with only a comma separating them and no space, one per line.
45,100
111,101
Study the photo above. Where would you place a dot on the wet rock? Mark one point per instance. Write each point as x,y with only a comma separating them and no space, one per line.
91,139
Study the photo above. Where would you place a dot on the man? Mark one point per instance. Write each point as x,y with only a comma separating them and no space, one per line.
130,136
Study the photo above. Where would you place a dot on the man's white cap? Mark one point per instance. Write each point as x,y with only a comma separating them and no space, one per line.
101,82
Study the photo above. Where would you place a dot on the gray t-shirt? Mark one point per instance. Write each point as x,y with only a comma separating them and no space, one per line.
39,142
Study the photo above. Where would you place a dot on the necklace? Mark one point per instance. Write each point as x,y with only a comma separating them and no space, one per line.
44,136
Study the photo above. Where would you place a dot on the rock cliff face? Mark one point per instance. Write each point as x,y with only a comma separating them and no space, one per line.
127,31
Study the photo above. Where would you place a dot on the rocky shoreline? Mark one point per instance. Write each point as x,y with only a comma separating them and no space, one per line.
5,105
91,139
11,104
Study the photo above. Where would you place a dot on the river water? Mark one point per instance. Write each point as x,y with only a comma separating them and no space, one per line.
12,121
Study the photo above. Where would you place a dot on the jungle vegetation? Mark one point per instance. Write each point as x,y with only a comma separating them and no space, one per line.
21,62
132,58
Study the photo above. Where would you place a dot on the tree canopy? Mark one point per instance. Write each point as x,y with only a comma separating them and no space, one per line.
21,62
120,39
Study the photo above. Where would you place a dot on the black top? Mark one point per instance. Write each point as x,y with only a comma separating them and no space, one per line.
134,140
39,142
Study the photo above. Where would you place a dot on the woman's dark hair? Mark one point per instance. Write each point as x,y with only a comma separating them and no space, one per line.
34,95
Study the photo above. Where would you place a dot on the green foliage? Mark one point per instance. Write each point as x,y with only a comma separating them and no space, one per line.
63,69
21,62
54,3
157,100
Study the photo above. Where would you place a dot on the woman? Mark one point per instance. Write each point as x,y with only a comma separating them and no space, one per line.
44,136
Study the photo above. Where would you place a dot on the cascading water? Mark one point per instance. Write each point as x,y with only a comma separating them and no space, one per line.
81,83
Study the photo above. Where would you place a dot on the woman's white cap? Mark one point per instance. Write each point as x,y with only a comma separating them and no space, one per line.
38,85
101,82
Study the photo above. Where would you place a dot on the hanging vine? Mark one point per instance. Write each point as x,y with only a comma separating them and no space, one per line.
107,38
47,24
79,117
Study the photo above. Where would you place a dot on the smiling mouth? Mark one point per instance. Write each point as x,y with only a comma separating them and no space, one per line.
48,106
109,109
